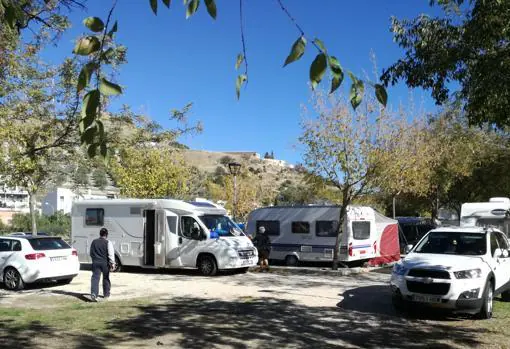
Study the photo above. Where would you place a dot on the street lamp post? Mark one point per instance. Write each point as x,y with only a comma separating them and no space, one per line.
52,208
234,168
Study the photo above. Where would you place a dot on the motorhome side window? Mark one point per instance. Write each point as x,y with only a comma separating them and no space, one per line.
300,227
272,227
361,230
94,216
135,211
187,226
326,228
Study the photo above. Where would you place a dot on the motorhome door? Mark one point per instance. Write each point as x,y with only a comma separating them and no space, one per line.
154,238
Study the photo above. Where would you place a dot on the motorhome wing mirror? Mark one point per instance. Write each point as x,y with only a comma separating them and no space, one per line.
408,248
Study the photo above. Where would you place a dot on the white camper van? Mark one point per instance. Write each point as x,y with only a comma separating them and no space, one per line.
308,233
494,213
163,234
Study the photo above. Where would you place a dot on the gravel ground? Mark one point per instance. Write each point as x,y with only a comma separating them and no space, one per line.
286,308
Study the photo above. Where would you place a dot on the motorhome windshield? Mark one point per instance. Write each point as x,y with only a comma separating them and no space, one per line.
222,225
456,243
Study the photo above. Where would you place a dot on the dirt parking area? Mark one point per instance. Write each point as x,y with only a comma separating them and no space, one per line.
280,309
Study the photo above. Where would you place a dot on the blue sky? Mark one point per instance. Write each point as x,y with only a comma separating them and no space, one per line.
173,61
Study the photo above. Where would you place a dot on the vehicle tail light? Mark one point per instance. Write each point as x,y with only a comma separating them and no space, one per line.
74,253
33,256
375,246
350,249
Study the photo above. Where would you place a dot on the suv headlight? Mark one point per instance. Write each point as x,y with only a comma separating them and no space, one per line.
399,269
468,274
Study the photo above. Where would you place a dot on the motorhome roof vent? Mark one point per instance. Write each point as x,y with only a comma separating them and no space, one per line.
504,200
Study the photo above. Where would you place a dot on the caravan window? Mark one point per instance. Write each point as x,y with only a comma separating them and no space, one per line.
272,227
300,227
326,228
94,216
361,230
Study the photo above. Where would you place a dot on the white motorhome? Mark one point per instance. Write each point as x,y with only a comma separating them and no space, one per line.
163,234
308,233
495,213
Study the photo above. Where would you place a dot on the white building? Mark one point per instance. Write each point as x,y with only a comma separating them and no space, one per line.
13,198
61,199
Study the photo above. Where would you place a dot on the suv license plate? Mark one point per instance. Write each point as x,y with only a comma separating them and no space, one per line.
426,299
246,262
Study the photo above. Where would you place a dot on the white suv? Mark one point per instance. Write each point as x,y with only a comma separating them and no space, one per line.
454,268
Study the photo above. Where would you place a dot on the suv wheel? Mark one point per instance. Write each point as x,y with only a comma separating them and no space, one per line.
488,295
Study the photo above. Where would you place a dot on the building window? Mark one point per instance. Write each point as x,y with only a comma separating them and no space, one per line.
300,228
272,227
94,216
361,230
326,228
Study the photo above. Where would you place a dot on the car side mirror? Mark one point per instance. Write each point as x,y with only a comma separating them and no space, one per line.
408,248
505,253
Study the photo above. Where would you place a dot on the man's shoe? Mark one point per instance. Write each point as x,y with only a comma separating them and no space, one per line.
93,298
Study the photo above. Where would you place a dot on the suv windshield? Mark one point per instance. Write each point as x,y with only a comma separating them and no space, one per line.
221,225
456,243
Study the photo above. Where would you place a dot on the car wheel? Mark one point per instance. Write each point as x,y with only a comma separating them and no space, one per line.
207,265
506,296
398,303
118,266
291,261
13,280
488,295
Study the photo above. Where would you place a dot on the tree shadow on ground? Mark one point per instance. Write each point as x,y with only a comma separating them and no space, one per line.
277,323
85,297
36,335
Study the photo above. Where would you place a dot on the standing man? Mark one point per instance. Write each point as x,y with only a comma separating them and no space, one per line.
103,258
263,245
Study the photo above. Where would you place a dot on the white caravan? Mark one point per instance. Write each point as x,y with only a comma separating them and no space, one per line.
308,233
494,213
163,234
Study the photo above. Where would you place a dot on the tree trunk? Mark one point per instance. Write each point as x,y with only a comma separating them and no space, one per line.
341,219
33,213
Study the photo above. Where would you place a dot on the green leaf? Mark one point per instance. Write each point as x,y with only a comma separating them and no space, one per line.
356,94
192,8
317,69
86,46
320,44
167,3
380,93
100,128
154,6
85,75
90,104
87,137
337,72
85,123
239,82
240,59
335,83
108,88
113,30
103,150
211,8
92,150
94,23
297,50
10,16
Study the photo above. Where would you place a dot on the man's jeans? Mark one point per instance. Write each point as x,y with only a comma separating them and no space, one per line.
97,269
